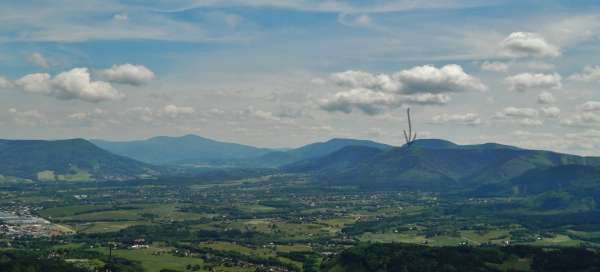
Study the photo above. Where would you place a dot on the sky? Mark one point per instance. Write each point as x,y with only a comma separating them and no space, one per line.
283,73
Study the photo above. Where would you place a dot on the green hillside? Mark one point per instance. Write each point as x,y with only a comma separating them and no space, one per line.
338,160
74,159
304,154
440,165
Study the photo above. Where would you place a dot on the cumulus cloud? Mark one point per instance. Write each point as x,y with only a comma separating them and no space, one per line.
590,106
530,122
167,113
527,44
545,98
97,113
584,119
429,79
518,112
38,59
424,99
173,111
373,102
520,116
469,119
264,115
527,81
358,20
420,79
494,66
95,118
422,85
127,74
73,84
589,73
27,118
120,17
360,79
550,112
365,100
5,83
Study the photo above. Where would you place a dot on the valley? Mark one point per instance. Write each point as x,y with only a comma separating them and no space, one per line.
91,210
284,222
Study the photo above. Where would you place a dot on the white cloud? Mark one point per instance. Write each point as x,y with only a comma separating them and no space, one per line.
84,116
373,102
357,20
589,73
590,106
120,17
38,59
145,114
421,85
363,20
546,98
5,83
429,79
424,99
127,74
550,112
470,119
27,118
588,117
527,81
266,115
494,66
166,114
537,65
360,79
530,122
527,44
419,79
333,5
365,100
173,111
73,84
584,119
518,112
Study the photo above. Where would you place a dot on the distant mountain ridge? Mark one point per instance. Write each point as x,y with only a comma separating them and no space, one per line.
193,149
72,159
315,150
184,149
433,164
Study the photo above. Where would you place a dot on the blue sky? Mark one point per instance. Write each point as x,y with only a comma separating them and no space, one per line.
289,72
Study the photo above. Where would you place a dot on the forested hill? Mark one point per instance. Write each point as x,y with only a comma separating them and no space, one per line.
73,159
434,165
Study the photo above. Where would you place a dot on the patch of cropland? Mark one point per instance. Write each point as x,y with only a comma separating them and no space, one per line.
75,159
288,222
497,208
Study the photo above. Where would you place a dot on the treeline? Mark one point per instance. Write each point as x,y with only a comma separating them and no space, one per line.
406,258
20,261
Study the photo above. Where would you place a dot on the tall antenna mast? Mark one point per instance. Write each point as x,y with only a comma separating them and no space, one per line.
409,137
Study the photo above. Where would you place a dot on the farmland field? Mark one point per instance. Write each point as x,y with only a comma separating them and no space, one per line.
278,222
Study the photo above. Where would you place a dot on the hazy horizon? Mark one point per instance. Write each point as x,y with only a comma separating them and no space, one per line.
288,73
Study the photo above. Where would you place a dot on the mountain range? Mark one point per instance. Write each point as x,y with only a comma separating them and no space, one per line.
81,160
193,149
440,165
428,164
72,159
